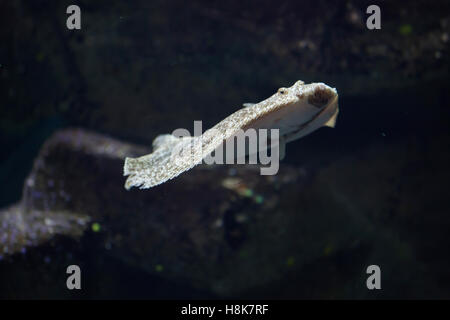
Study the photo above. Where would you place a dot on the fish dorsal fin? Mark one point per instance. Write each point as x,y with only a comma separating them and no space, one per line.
248,104
332,121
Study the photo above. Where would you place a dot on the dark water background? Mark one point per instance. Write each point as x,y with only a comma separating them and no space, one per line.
137,70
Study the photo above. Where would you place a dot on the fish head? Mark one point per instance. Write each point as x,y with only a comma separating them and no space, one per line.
304,108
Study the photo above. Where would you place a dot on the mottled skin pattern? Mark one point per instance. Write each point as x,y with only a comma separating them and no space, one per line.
296,111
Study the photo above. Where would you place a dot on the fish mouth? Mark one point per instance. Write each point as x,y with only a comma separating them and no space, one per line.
330,104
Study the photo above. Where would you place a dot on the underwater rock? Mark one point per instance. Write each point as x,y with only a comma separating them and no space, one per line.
21,227
222,228
225,229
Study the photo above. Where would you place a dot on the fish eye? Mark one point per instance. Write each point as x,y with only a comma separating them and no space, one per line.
282,91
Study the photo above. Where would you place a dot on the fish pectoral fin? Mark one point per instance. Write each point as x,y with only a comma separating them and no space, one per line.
248,104
164,139
171,157
332,121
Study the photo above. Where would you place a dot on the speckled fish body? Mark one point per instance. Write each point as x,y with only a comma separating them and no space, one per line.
296,111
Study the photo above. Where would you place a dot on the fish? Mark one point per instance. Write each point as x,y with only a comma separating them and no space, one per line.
295,111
